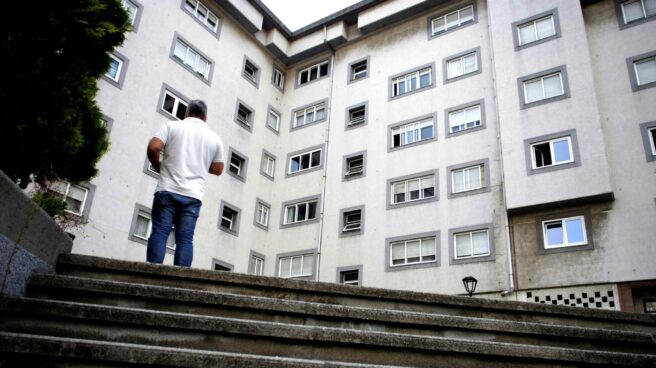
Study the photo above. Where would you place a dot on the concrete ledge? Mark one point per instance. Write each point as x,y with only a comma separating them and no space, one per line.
94,320
77,264
170,299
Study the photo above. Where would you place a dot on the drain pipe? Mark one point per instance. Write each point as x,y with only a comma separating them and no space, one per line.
506,220
325,153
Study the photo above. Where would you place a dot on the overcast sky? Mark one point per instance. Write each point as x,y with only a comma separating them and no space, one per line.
296,14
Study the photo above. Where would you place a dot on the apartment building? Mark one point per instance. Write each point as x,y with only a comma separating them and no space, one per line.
401,144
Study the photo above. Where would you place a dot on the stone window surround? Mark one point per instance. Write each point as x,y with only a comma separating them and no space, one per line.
137,17
364,165
646,139
343,234
347,116
121,76
358,268
575,152
350,70
282,71
266,122
235,223
259,201
265,152
445,62
251,118
555,215
475,259
390,79
450,10
252,254
162,95
148,172
258,72
316,197
244,167
556,22
436,197
390,137
485,172
388,255
177,37
308,65
219,262
193,16
312,251
447,124
294,111
620,17
632,72
306,150
520,85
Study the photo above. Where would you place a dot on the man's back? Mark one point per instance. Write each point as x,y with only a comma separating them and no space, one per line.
190,147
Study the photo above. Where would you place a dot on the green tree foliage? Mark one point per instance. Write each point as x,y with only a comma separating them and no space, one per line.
54,52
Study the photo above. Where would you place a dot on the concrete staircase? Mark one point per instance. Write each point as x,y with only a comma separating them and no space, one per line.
98,312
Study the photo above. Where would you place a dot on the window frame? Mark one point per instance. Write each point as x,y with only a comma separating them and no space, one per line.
243,170
490,256
281,85
405,178
178,38
451,110
248,124
217,31
300,253
341,270
85,206
346,158
417,70
252,264
347,116
235,222
342,222
574,150
166,89
633,72
431,19
265,154
553,13
121,72
621,19
217,262
304,108
648,140
351,70
418,119
310,150
134,23
270,110
255,79
485,174
461,55
259,202
562,69
405,238
308,67
305,200
583,213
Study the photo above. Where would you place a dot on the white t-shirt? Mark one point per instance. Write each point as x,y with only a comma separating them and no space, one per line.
190,147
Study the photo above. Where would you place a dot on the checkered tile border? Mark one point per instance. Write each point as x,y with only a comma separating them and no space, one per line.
600,299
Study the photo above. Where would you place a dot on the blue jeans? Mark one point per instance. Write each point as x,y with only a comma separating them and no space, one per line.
170,209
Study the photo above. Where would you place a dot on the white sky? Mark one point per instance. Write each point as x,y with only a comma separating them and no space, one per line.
296,14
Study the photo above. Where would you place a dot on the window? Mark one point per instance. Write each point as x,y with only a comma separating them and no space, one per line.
349,277
268,166
262,210
648,132
564,232
645,70
310,114
204,16
173,103
132,9
452,20
357,115
300,212
636,10
354,165
553,152
229,218
115,66
468,178
304,161
351,221
413,132
143,226
238,164
471,244
543,87
191,59
313,73
467,118
358,70
536,30
462,65
218,265
413,251
411,81
414,189
251,71
256,264
273,120
296,266
244,115
278,78
74,195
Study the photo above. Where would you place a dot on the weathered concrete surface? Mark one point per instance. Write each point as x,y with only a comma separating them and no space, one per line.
29,239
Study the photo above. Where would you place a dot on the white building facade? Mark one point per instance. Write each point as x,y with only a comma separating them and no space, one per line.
401,144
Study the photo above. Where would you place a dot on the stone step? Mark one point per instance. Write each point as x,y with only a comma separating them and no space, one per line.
366,297
202,302
229,335
26,350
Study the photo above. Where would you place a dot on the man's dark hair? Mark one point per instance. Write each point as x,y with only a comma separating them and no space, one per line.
197,109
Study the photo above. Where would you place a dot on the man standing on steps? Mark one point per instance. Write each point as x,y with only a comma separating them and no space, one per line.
191,151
